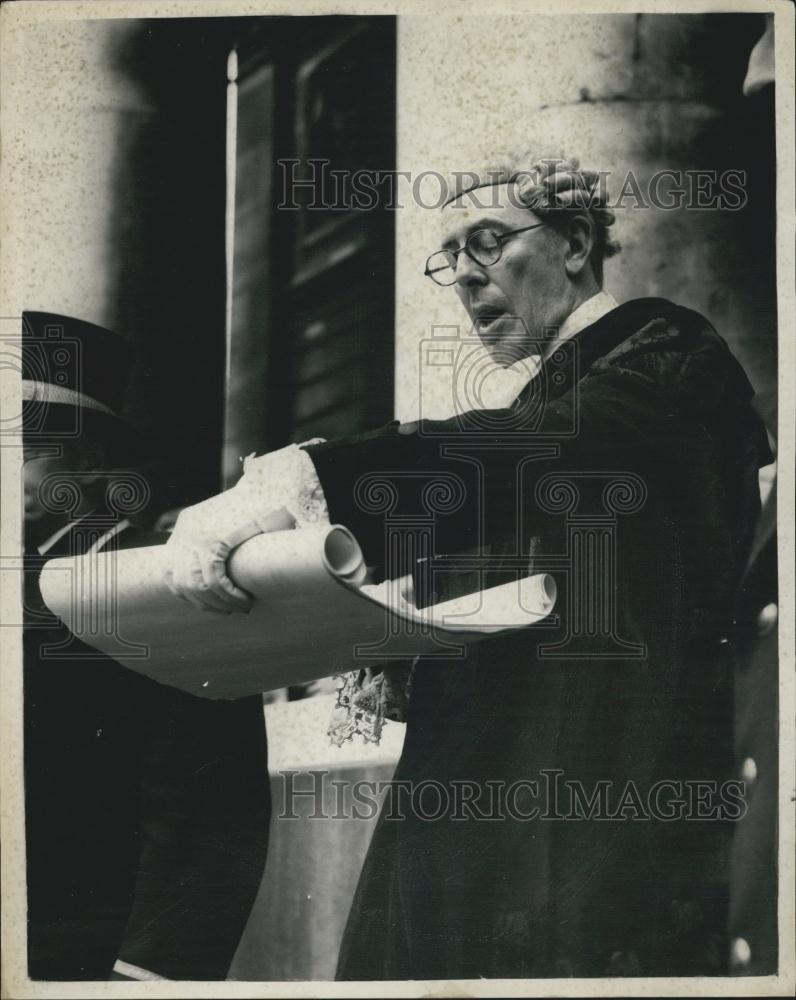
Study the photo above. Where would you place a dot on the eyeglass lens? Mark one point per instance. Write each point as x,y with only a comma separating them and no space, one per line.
483,246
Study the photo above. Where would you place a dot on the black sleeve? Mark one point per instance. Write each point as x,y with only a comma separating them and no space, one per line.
616,420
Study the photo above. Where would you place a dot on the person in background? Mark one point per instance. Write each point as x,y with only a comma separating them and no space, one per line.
147,809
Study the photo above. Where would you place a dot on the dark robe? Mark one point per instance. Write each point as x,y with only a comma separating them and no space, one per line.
649,414
147,809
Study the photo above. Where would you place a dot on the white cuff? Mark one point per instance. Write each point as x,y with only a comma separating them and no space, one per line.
135,972
285,478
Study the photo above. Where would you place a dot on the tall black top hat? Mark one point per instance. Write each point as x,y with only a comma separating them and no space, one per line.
73,379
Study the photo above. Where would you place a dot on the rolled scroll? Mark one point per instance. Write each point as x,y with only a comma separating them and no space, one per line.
314,614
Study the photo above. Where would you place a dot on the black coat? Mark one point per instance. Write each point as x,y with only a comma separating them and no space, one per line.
147,809
650,430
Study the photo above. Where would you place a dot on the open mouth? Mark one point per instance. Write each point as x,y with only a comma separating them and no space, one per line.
487,321
491,328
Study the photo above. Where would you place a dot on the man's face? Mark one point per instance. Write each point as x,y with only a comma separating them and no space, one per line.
67,462
513,302
40,463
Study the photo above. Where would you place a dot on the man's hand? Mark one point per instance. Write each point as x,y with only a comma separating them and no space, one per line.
201,543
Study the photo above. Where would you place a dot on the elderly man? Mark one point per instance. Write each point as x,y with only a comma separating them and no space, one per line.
593,750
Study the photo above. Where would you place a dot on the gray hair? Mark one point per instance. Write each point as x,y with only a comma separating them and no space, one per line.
556,189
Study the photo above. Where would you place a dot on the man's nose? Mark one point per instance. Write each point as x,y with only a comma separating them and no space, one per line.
468,273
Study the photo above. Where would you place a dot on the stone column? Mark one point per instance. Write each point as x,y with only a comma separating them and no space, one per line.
114,149
71,111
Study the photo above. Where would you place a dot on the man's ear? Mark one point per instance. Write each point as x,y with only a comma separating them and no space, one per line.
580,243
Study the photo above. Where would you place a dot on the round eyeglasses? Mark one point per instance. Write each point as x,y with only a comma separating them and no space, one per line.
484,247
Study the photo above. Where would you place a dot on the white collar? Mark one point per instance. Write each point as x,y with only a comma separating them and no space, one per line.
97,546
505,385
56,536
588,312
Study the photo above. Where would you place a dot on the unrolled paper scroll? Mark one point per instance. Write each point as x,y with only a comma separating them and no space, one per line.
314,614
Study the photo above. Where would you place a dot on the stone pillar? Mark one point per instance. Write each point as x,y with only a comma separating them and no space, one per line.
115,151
71,110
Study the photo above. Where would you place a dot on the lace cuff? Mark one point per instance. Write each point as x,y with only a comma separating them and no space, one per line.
285,478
